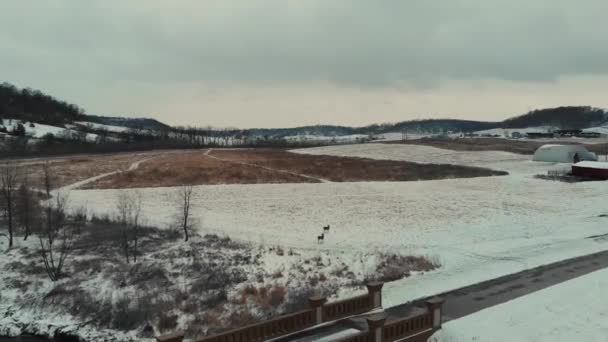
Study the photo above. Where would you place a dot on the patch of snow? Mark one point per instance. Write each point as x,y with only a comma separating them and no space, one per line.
507,132
109,128
325,138
394,136
511,162
575,310
603,130
40,130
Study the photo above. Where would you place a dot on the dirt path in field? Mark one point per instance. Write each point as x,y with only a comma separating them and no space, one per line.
207,153
77,185
476,297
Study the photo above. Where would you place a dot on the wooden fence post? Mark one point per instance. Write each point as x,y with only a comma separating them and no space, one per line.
175,337
434,305
316,304
374,289
376,327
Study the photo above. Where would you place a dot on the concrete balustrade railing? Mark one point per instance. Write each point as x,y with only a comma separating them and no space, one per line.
415,328
319,312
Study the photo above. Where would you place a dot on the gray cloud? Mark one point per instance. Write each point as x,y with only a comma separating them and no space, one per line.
356,43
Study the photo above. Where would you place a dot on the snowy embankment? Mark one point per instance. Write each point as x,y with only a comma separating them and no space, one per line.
109,128
38,131
576,310
478,228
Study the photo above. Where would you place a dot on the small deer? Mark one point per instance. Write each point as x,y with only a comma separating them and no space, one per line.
326,229
321,238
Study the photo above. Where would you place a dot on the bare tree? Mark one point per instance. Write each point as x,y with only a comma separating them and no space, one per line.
57,234
129,213
8,187
184,196
57,240
124,211
27,207
47,179
135,217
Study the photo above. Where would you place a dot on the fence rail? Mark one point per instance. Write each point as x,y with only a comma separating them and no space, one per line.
259,332
407,327
349,307
318,313
417,327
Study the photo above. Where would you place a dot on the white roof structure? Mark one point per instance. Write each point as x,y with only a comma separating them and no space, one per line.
563,153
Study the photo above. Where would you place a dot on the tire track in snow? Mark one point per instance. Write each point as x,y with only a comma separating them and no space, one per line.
321,180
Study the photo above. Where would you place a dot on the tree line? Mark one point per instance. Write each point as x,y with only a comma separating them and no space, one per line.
33,105
568,117
76,142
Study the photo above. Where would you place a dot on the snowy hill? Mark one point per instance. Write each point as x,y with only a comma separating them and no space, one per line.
39,131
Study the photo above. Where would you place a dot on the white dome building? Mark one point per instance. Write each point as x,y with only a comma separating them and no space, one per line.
563,154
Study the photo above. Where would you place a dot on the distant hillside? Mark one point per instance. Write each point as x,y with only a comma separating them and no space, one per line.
561,117
439,125
327,130
33,105
135,123
427,126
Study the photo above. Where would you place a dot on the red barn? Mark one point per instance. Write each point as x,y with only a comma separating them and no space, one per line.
591,169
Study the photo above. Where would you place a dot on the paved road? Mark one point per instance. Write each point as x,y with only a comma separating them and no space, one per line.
470,299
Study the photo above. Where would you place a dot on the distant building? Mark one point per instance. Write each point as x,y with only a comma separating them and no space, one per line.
563,154
591,169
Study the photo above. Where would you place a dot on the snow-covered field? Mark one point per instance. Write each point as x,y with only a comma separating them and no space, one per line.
324,138
576,310
506,132
109,128
511,162
479,228
603,130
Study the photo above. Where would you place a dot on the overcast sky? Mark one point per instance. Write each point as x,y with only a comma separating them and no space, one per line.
253,63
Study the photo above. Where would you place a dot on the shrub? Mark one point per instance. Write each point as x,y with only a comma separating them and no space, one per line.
127,317
394,267
167,322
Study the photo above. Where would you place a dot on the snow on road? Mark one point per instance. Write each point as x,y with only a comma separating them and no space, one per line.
479,228
576,310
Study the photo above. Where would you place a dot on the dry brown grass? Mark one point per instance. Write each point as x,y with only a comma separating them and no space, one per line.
247,166
494,144
193,167
71,170
344,169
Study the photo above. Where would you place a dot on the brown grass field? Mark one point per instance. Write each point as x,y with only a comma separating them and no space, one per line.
192,167
495,144
69,170
257,166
